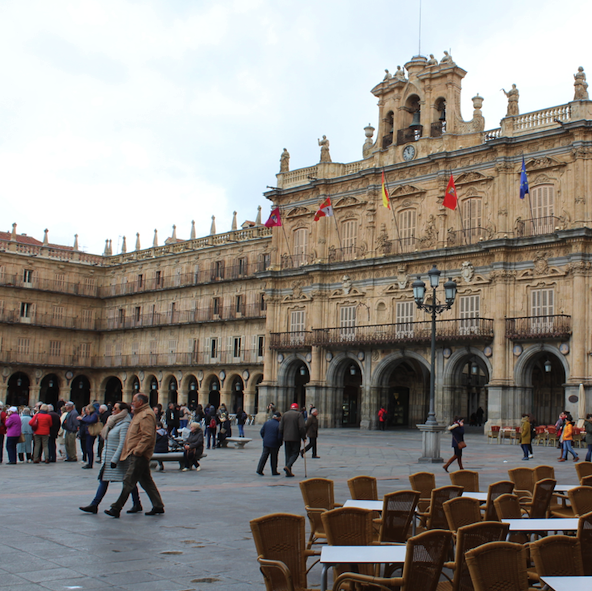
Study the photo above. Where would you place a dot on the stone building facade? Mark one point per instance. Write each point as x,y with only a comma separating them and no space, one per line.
322,312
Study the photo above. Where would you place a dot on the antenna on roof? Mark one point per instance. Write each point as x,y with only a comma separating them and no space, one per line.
419,48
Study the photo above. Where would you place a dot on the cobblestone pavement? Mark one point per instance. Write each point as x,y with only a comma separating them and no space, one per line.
203,542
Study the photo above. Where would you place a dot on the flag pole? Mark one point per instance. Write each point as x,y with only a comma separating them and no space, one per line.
462,222
390,202
529,199
337,228
286,237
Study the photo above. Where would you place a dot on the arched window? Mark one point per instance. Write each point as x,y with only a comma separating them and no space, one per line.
300,246
543,209
387,138
407,221
471,215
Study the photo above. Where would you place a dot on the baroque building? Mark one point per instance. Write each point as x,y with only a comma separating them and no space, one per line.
322,312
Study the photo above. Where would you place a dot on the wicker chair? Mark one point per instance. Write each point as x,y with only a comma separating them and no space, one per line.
434,517
424,559
583,469
585,537
469,537
544,471
556,556
541,436
462,511
398,509
468,479
280,540
523,479
586,481
494,433
493,492
424,483
318,497
538,507
551,435
580,499
363,488
508,507
499,566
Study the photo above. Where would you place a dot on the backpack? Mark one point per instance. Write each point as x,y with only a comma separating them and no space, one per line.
213,423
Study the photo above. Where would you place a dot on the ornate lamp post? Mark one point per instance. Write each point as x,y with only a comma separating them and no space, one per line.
431,430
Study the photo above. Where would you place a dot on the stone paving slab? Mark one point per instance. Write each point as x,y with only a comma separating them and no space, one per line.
203,542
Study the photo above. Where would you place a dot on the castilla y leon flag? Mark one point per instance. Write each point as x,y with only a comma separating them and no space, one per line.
451,197
274,218
385,196
326,209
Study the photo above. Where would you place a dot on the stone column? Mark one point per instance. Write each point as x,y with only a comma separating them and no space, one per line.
578,324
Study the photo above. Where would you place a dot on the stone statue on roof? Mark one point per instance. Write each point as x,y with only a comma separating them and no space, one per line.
400,74
581,86
447,59
513,96
432,61
285,161
325,155
387,75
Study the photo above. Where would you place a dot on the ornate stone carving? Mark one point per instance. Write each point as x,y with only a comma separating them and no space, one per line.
467,271
402,277
540,164
285,161
347,202
513,96
541,266
447,60
431,234
400,74
384,244
471,177
580,86
325,155
347,284
402,190
298,211
432,61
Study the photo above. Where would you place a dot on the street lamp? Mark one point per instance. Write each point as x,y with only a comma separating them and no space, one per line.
432,447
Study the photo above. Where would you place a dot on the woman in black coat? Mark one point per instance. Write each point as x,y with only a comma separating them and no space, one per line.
193,447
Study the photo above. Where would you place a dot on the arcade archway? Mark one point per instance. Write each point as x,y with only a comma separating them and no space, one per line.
49,390
17,393
113,390
80,391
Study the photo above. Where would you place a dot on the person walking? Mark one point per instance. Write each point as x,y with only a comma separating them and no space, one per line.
525,436
568,440
104,413
193,447
172,419
3,417
382,417
112,468
457,430
53,433
241,419
13,432
70,426
312,432
293,432
90,418
272,441
25,448
212,426
138,447
41,424
588,439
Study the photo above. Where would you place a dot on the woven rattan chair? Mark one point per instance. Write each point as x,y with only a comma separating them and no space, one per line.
469,537
363,488
434,517
556,556
498,566
398,509
318,497
462,511
280,541
585,537
586,481
508,507
523,479
544,471
468,479
493,492
583,469
538,507
424,559
580,499
424,483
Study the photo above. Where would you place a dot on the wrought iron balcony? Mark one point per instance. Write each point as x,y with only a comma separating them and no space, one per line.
347,253
296,260
301,339
556,326
538,226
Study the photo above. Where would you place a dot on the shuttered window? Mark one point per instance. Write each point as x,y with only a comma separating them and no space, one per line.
471,209
349,238
300,246
405,318
469,313
543,209
297,326
542,310
407,219
347,322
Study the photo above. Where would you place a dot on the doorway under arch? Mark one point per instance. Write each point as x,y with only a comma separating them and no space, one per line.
49,390
80,392
192,393
153,396
214,395
351,396
173,390
238,395
113,390
17,393
548,391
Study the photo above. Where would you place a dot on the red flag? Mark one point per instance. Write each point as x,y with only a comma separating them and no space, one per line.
326,209
451,197
274,218
385,196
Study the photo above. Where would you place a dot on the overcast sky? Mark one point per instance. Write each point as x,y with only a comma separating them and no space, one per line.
122,116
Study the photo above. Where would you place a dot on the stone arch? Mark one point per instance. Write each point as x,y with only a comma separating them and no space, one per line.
524,365
338,363
288,368
112,390
385,366
17,391
455,363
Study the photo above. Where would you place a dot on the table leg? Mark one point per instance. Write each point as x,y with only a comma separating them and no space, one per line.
324,571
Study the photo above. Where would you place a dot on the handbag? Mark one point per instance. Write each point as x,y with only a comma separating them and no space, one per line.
22,438
95,428
461,445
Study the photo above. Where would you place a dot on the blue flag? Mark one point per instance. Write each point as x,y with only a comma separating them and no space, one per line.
523,181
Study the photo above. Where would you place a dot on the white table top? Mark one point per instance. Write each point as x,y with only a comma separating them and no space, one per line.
570,524
564,487
480,496
372,505
363,554
568,583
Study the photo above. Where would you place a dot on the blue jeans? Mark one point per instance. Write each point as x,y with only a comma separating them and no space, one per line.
525,449
589,454
102,490
210,435
567,447
241,430
90,450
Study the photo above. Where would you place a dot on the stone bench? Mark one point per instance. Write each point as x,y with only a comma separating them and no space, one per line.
172,456
239,442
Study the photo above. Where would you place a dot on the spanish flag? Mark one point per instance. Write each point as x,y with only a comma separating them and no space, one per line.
451,197
385,196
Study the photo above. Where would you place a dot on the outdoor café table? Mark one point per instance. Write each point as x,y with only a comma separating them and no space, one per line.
564,487
371,505
334,555
539,525
480,496
568,583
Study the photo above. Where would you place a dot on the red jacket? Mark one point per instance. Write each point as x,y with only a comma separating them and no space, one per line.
41,423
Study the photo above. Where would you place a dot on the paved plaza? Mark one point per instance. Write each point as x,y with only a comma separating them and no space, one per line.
203,542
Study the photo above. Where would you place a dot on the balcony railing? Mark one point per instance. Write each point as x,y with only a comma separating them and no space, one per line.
556,326
469,236
538,226
55,285
301,339
40,358
48,319
347,253
296,260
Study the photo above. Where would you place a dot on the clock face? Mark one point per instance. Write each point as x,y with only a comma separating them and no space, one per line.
409,153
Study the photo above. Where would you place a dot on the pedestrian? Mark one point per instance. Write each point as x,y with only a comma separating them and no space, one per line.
25,448
113,469
241,419
13,432
272,441
270,411
304,413
525,435
457,429
41,424
382,417
3,417
53,433
225,430
293,432
193,447
559,425
479,415
185,416
312,432
532,435
138,447
104,414
568,440
588,439
90,418
172,419
212,426
70,426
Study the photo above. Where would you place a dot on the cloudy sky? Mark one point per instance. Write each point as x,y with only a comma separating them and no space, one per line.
122,116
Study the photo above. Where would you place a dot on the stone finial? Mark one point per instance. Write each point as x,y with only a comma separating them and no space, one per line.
155,241
234,222
13,234
387,75
106,251
368,143
258,218
75,247
325,155
123,246
45,237
285,161
110,247
193,234
174,236
213,226
138,247
580,86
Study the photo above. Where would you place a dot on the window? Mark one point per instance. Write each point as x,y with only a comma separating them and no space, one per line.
26,310
213,348
405,318
542,310
262,302
22,346
239,305
121,316
407,228
88,285
173,311
266,260
543,209
236,347
216,306
471,209
153,347
140,281
158,278
178,276
347,323
135,349
58,312
137,314
349,238
87,318
196,274
242,267
300,240
28,276
193,347
260,346
55,348
60,281
84,350
297,327
469,314
219,270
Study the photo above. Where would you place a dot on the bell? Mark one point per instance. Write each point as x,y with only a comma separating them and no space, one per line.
443,114
415,119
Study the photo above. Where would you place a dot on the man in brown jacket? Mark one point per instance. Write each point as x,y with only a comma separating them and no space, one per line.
138,447
312,432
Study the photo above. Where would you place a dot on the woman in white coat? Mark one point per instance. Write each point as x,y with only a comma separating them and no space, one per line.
112,470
